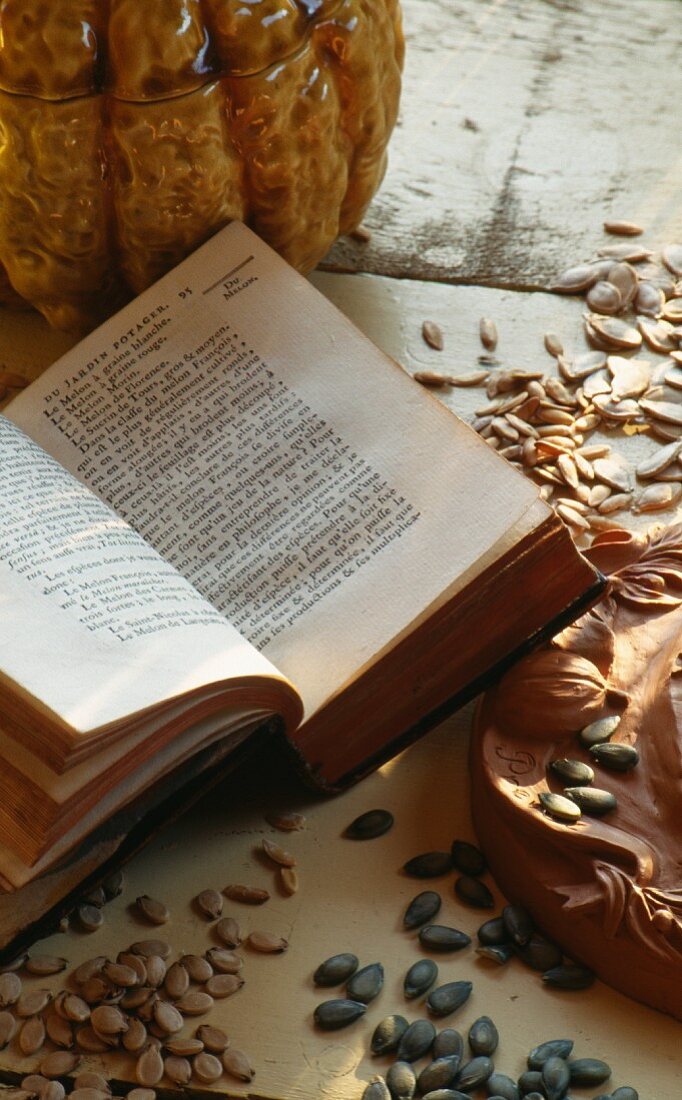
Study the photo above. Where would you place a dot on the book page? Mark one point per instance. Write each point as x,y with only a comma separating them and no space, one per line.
95,624
303,484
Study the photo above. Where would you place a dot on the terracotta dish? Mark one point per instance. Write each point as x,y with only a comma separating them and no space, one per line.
607,889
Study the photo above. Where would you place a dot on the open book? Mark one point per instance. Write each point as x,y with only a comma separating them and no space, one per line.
226,504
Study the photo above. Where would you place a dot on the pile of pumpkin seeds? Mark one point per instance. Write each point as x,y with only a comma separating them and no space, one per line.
542,420
447,1073
576,776
141,1001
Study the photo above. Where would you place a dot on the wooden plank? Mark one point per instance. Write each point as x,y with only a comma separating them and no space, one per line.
523,126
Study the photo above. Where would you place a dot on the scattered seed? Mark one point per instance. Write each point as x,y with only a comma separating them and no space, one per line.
475,1073
209,903
428,865
592,800
448,998
336,970
617,757
8,1026
431,378
267,942
338,1013
288,880
366,983
432,335
401,1081
539,953
59,1063
228,931
387,1034
286,822
416,1041
568,976
278,854
585,1072
376,1089
236,1064
207,1067
575,279
623,228
559,807
89,1079
370,825
360,234
518,923
672,258
483,1036
502,1087
467,858
147,948
422,908
498,953
473,892
419,978
488,333
152,910
31,1035
177,981
600,731
135,1038
572,772
156,970
90,917
250,895
439,937
213,1038
178,1069
195,1003
555,1077
439,1074
32,1002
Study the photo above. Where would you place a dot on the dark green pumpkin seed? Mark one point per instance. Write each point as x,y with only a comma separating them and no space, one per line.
535,1096
518,923
467,858
483,1036
572,771
439,1074
625,1092
333,1014
498,953
401,1081
422,908
604,1096
598,732
417,1041
369,825
530,1082
387,1034
428,865
592,800
419,978
568,976
113,885
446,1094
439,937
539,1055
366,984
448,1041
499,1084
448,998
474,1073
555,1077
492,932
559,807
473,892
588,1071
377,1089
539,953
619,758
337,969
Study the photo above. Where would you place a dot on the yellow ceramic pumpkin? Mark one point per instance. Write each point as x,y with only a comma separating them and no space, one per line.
130,130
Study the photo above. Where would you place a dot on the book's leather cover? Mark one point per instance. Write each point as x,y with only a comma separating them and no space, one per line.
34,911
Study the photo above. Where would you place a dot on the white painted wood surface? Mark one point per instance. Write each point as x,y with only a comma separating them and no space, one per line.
524,124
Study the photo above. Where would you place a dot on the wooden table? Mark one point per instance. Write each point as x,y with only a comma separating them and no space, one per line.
524,125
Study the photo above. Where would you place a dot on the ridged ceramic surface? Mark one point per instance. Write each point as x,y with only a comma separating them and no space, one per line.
131,130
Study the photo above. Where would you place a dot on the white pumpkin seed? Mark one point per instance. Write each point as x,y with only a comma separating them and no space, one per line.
488,333
433,335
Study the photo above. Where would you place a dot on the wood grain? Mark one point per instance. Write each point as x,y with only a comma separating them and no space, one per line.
523,126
